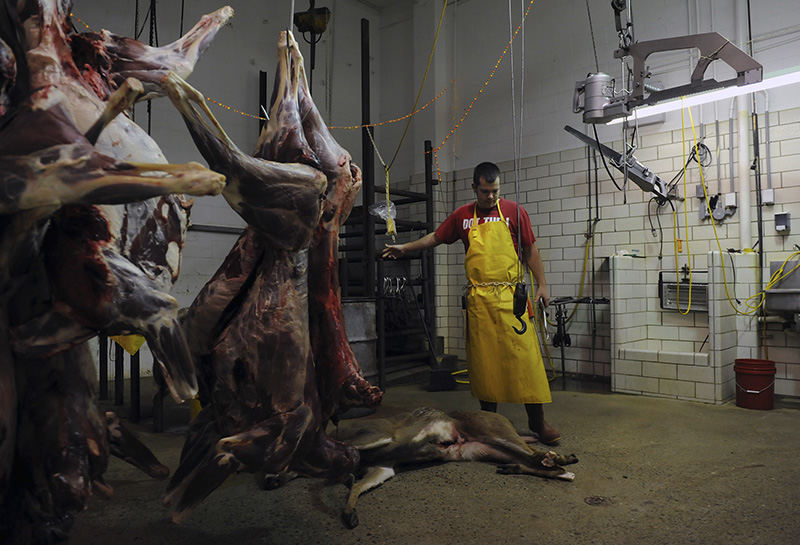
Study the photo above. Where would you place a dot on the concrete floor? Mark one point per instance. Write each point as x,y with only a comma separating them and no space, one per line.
651,471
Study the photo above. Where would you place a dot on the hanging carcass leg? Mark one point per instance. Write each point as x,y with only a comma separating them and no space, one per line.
8,408
279,200
125,445
46,162
61,447
255,450
341,383
106,59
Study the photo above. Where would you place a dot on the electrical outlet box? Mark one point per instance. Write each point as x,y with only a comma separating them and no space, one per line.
729,200
768,196
702,211
698,191
783,222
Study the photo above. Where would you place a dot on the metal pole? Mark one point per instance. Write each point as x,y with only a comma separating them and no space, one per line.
380,324
119,374
428,259
158,398
102,347
368,167
136,412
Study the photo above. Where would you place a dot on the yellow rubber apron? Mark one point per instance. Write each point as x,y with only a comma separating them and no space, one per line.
503,367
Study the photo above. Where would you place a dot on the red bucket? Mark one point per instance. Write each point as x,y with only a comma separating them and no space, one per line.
755,383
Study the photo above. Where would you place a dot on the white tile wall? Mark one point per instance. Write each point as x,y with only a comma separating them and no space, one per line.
555,195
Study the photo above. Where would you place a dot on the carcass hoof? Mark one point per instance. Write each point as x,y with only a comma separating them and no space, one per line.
570,459
350,519
157,471
271,481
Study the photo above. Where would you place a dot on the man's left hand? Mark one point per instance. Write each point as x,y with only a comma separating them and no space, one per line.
542,294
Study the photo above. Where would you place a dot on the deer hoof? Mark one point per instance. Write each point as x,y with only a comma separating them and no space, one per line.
570,459
350,518
271,481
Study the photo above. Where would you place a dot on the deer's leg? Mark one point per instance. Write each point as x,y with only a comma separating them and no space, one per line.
81,175
375,476
280,200
554,472
126,446
267,446
119,101
132,58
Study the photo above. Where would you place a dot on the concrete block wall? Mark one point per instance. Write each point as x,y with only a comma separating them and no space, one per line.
649,356
733,333
647,365
555,190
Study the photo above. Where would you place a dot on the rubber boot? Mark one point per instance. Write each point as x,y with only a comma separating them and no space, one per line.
547,434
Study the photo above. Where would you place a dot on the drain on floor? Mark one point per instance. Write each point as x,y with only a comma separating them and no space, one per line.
598,500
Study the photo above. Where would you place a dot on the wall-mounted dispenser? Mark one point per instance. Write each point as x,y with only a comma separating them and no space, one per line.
783,222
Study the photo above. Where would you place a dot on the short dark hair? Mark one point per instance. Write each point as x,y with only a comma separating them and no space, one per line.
488,171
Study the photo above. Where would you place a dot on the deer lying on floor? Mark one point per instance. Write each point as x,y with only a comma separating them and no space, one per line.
430,435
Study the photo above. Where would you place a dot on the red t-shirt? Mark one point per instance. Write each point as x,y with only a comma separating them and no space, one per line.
457,225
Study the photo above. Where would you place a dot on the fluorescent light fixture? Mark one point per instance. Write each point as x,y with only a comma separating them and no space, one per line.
712,96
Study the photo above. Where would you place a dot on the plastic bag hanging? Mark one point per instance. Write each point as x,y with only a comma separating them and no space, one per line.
391,230
386,211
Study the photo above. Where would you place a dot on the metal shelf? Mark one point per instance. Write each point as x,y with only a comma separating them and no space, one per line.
360,233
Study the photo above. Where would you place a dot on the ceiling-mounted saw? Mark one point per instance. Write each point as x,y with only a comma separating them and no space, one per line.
642,176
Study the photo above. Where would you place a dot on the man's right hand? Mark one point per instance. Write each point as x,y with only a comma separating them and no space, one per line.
393,251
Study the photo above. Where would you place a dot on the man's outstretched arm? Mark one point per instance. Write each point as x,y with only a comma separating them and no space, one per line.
398,250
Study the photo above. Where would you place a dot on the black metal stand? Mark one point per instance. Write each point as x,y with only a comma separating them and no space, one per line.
562,338
102,386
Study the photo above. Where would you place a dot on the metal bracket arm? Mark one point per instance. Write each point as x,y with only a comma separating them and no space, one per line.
646,179
712,46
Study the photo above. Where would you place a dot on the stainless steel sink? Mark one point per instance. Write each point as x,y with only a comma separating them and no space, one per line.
784,297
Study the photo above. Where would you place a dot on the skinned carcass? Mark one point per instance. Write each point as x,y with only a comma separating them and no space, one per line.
136,244
340,382
430,435
90,240
260,380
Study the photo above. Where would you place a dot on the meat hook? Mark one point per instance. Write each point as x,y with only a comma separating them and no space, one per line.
523,329
520,305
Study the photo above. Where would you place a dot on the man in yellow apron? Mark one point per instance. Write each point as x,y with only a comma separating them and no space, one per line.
504,367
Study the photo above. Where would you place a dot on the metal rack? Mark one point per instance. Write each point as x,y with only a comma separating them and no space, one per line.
360,257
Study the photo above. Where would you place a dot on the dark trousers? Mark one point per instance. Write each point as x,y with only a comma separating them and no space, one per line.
535,413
